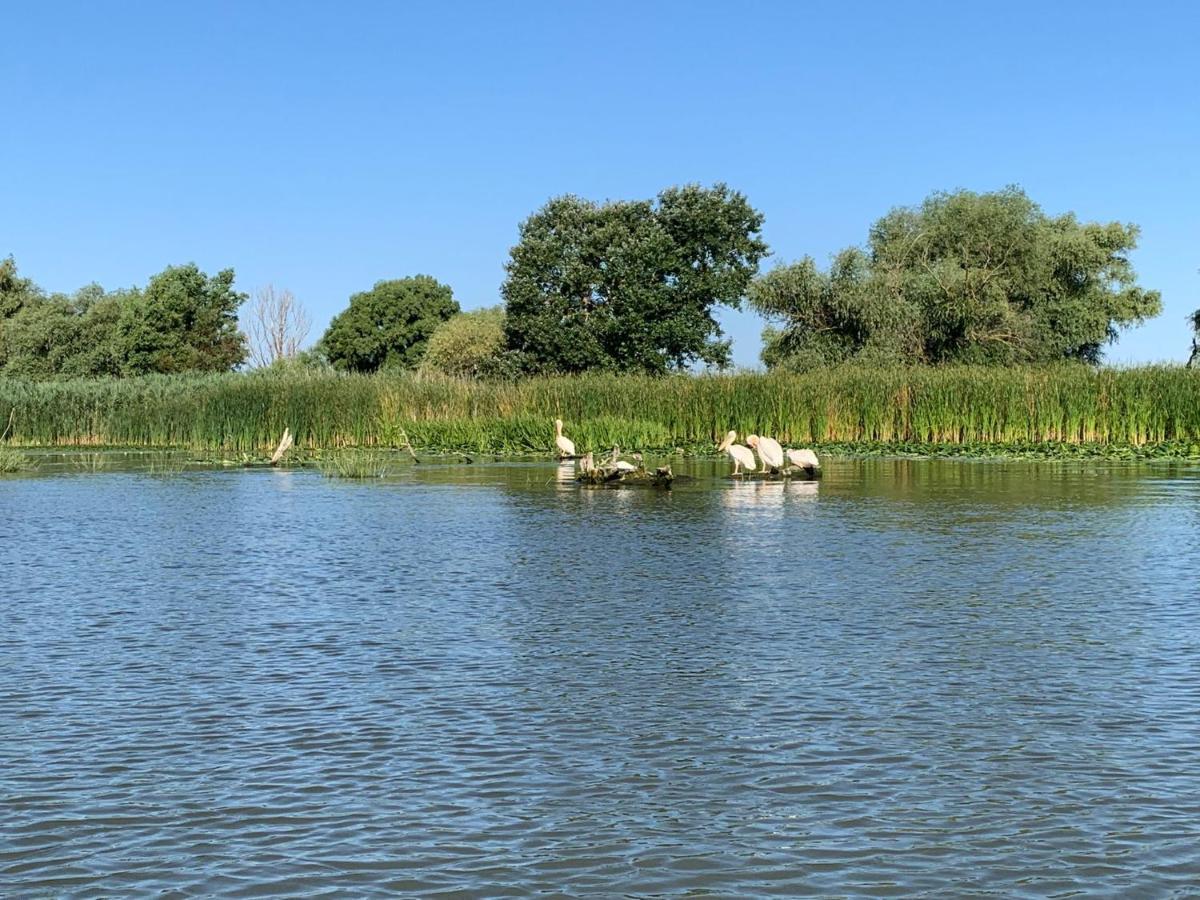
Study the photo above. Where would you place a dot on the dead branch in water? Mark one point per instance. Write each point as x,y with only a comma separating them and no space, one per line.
285,444
660,477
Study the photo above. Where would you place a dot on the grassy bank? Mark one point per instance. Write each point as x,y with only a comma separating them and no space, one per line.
947,408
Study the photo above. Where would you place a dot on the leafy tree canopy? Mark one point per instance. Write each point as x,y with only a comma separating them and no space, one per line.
388,326
66,336
965,277
469,345
182,321
15,291
630,285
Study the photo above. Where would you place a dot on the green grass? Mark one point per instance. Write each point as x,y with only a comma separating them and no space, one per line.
964,408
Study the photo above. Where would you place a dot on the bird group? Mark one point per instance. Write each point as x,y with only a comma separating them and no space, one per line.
770,452
587,462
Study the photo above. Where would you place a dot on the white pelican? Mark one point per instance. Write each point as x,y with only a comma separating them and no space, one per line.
769,451
805,459
587,463
619,464
743,457
566,446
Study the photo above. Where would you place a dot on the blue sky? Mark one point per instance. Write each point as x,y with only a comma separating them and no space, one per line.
322,147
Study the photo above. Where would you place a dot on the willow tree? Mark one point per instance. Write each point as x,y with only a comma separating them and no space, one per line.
964,277
469,345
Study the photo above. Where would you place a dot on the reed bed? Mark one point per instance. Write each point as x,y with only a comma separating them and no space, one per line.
957,406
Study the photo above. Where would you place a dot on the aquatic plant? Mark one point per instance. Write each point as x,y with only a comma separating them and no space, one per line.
166,465
12,460
961,406
92,462
354,463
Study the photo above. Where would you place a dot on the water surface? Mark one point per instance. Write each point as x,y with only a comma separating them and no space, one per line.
937,678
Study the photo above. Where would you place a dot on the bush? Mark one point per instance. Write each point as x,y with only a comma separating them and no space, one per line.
469,345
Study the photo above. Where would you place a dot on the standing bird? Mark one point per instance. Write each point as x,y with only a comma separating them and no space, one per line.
769,451
566,446
743,457
804,459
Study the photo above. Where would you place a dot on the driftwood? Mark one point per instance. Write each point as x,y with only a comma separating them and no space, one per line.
285,444
610,475
801,473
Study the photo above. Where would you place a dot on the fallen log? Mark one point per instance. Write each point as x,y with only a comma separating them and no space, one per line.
607,475
800,473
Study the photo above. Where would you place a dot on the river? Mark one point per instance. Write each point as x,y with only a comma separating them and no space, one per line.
912,677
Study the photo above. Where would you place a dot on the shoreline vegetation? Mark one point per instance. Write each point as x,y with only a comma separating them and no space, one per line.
1064,411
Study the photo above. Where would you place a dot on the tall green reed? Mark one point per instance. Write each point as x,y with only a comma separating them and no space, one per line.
949,406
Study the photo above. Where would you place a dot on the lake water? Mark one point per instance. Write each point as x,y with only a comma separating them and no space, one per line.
937,678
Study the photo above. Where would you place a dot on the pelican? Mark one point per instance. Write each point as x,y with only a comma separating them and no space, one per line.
586,463
805,459
768,449
743,457
619,464
566,446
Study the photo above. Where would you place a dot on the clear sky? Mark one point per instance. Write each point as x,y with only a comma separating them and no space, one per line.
322,147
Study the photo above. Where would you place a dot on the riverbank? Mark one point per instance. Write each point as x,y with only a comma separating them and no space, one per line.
1069,411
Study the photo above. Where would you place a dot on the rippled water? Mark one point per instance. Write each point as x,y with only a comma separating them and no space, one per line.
943,679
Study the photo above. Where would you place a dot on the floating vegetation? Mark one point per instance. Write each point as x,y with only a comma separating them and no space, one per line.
354,463
1148,410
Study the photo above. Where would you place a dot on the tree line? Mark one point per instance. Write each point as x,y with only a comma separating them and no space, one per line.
182,321
634,286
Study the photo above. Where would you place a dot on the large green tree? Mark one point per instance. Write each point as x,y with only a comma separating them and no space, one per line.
630,285
388,326
183,321
965,277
